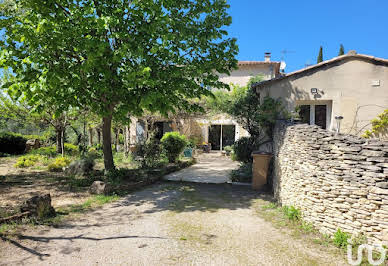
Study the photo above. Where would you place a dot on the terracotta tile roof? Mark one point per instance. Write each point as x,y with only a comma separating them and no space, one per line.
350,56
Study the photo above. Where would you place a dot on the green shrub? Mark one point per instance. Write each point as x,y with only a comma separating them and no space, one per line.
71,149
94,153
58,164
291,213
173,143
27,161
51,151
243,148
340,238
12,143
149,154
46,151
243,173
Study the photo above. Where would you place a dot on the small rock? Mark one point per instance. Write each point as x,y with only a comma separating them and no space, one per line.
382,185
80,167
99,187
39,206
32,144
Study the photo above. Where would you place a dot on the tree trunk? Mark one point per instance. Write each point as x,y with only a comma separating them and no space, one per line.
63,142
107,145
58,132
98,135
90,136
117,140
126,140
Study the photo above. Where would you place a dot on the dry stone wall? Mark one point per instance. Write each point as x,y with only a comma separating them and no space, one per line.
337,181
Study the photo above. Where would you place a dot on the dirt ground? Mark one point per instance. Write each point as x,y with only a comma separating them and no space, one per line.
18,185
169,224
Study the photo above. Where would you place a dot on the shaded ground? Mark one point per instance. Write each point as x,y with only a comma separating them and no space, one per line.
210,168
169,223
18,185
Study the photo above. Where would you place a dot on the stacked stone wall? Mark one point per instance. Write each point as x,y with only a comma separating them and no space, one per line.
337,181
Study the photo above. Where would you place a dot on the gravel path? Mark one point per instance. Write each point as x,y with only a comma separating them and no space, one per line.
168,223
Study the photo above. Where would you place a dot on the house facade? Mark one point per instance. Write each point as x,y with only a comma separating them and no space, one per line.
220,130
342,94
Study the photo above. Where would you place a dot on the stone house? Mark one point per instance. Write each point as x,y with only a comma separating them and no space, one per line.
220,130
351,86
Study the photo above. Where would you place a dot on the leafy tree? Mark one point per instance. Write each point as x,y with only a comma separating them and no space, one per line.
116,57
320,55
256,115
341,50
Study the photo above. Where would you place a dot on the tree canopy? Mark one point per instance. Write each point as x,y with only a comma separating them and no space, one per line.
116,57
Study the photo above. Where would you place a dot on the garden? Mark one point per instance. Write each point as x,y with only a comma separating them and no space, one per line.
68,177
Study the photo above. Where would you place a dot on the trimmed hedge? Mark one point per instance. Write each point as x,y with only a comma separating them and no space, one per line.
12,143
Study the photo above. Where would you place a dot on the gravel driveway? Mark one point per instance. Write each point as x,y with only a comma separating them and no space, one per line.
211,168
168,223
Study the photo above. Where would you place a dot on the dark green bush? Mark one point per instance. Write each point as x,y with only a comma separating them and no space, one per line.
12,143
149,154
243,173
46,151
173,144
243,148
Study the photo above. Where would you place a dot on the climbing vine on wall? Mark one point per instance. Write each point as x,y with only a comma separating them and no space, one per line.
379,126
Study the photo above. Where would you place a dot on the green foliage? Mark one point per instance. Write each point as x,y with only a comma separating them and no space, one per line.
149,154
291,213
320,55
340,238
173,144
58,164
27,161
256,115
46,151
71,150
243,173
243,148
379,126
222,100
228,149
127,58
51,151
117,176
12,143
341,50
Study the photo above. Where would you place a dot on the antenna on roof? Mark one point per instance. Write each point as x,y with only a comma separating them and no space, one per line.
283,63
284,52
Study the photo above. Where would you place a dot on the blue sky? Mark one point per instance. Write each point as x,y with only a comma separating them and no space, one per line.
302,26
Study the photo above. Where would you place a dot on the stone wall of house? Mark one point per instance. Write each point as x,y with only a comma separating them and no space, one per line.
337,181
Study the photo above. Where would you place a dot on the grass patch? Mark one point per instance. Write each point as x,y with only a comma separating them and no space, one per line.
290,217
92,202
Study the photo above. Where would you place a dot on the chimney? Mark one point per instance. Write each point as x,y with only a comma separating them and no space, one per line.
267,57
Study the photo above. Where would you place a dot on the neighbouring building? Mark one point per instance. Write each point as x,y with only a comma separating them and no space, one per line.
351,86
219,130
